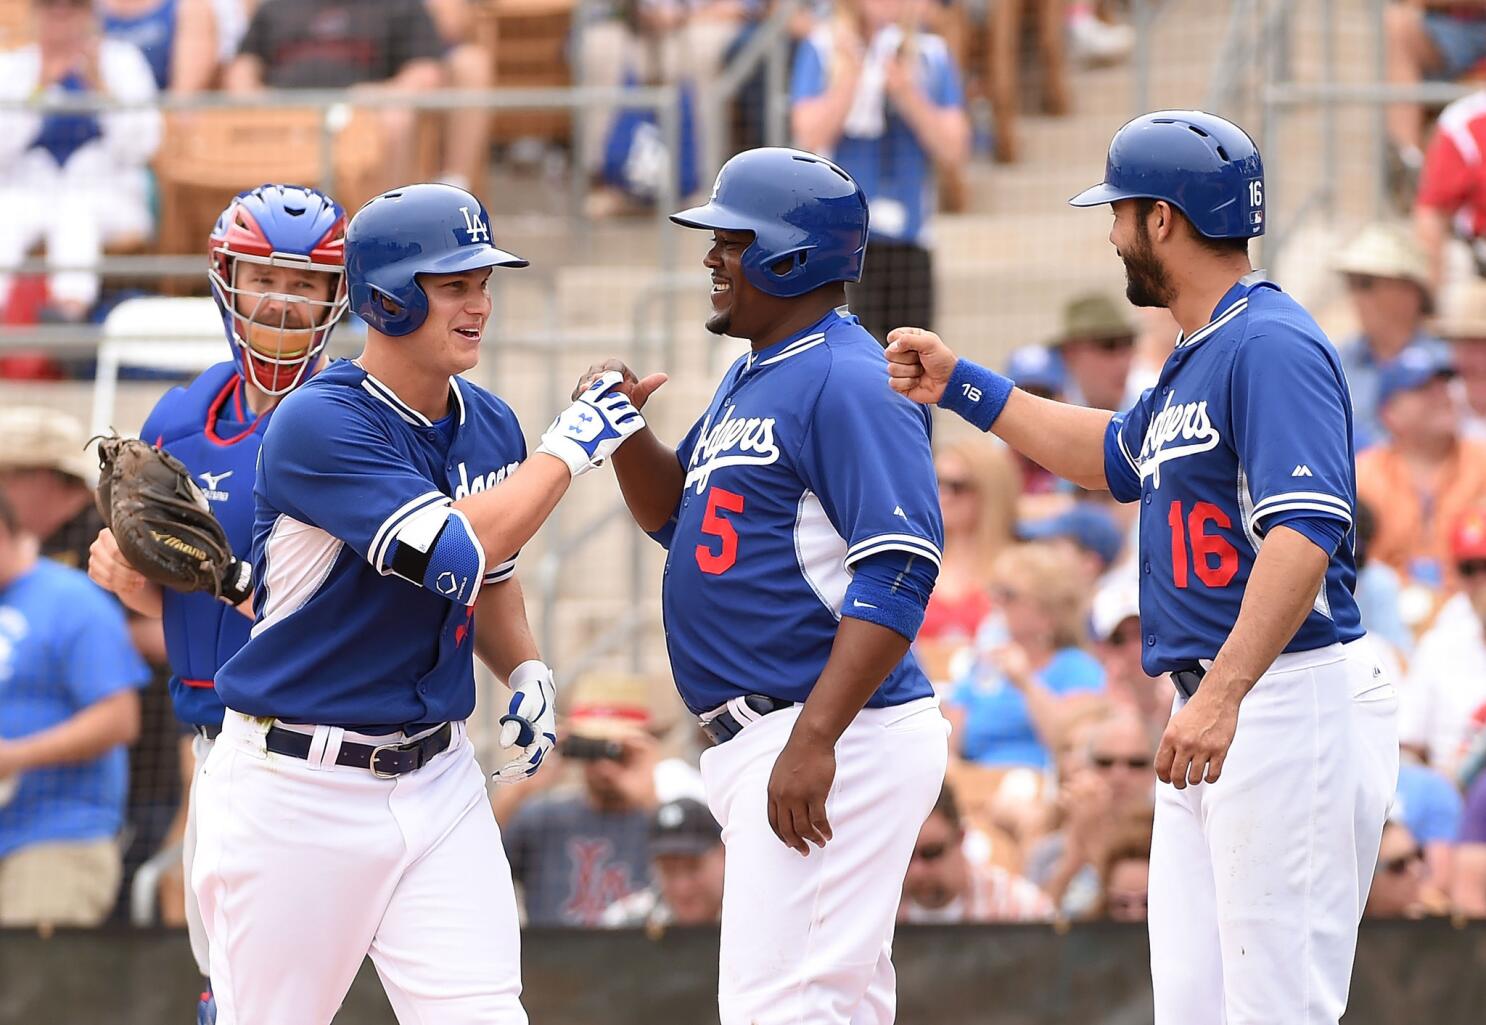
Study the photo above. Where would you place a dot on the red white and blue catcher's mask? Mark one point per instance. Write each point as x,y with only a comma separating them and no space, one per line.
277,337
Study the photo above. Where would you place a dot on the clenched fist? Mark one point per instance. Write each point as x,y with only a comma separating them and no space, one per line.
919,364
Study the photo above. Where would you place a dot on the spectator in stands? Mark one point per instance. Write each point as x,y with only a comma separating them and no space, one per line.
1468,886
977,497
49,478
1029,663
573,855
1379,590
1429,805
1446,680
68,707
468,65
1398,882
186,42
1097,345
887,105
645,42
77,181
1116,779
1452,185
1088,530
1039,370
1430,39
686,863
1389,286
1426,476
366,46
1125,868
944,885
1463,326
1115,619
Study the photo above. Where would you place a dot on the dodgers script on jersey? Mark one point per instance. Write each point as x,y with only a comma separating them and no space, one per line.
208,426
1249,424
804,463
346,466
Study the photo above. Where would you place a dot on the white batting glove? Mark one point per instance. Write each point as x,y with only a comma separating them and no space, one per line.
530,723
588,431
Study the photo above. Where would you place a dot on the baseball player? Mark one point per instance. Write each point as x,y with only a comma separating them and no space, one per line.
1281,753
277,275
341,811
803,531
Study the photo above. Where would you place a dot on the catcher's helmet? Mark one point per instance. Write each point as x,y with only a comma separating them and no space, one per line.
277,226
1206,167
803,210
417,229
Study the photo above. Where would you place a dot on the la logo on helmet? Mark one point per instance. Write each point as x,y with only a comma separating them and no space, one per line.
475,227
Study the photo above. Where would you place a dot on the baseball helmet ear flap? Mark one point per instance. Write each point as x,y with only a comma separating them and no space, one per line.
393,311
779,273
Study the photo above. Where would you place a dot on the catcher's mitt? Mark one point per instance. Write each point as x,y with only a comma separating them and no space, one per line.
162,522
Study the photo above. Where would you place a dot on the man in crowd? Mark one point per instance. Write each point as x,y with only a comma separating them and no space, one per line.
686,863
1462,325
68,707
1114,617
1398,882
49,480
943,885
1388,284
1097,345
1452,185
1434,39
1426,476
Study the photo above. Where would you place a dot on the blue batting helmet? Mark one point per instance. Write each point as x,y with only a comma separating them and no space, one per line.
417,229
803,210
1206,167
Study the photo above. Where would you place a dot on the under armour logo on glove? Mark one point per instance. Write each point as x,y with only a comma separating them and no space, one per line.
593,427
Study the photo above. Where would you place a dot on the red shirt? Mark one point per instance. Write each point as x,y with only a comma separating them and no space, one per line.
1454,177
954,619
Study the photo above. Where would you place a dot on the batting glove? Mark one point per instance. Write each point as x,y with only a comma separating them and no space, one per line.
530,722
588,431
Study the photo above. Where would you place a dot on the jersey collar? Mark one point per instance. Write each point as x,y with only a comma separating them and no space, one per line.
385,395
808,339
1233,303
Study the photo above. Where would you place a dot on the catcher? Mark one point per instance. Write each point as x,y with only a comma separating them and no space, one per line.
179,504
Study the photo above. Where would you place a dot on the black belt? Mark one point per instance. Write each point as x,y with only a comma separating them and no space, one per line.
1186,680
385,760
724,726
209,732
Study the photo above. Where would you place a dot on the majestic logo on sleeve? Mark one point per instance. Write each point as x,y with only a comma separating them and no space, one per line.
467,487
1180,429
732,441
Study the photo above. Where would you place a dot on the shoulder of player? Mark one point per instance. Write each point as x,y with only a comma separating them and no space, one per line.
180,411
1273,326
334,394
481,404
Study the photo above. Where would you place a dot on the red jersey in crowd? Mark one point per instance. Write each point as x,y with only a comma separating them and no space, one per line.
1454,177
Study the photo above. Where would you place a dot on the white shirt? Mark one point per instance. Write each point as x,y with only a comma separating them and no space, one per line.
1445,685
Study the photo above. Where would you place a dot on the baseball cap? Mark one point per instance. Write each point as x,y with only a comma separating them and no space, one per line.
609,706
683,826
37,438
1114,602
1468,539
1464,316
1086,525
1385,250
1093,316
1413,368
1037,366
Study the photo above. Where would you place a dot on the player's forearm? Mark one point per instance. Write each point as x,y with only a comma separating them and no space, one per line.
1065,439
147,600
506,516
861,657
1281,592
650,479
503,637
94,730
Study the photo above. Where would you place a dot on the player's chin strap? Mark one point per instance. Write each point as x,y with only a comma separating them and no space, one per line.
236,585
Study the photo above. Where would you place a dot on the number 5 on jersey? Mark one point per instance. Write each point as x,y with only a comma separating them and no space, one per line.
1213,558
715,524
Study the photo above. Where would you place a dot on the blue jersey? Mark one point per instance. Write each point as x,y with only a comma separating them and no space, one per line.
804,463
1249,424
341,638
209,427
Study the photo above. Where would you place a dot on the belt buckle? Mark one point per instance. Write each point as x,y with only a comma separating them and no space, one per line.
372,765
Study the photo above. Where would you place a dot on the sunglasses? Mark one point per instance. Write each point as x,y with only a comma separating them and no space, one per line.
931,852
956,485
1128,901
1401,864
1108,762
1361,282
1121,635
1470,568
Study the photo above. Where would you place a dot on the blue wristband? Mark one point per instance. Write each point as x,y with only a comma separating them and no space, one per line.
977,393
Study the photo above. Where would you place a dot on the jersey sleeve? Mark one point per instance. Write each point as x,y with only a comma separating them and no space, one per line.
1290,429
1122,441
684,451
351,484
866,455
1445,182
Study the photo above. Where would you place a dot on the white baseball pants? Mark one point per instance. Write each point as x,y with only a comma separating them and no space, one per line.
1258,880
201,747
808,940
304,867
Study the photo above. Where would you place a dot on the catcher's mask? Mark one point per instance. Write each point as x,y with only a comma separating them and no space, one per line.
277,336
